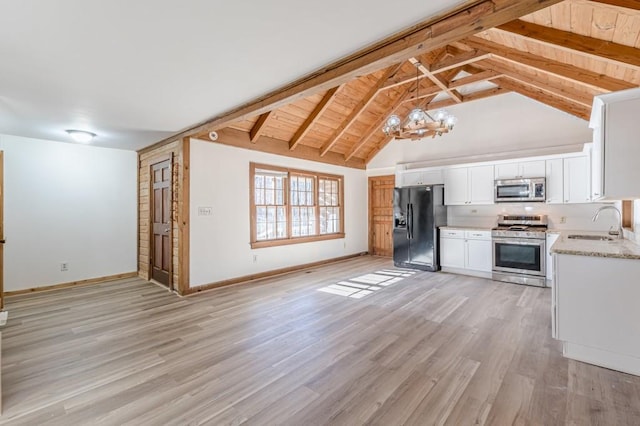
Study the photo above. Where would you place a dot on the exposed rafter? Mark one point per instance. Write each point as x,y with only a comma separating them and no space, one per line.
546,97
563,90
626,4
256,131
482,94
439,81
457,61
359,108
313,117
473,78
377,125
565,40
550,66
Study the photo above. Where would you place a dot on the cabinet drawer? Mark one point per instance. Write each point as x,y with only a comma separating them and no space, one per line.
452,233
478,235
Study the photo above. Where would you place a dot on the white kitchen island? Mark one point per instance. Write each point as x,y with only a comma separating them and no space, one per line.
596,302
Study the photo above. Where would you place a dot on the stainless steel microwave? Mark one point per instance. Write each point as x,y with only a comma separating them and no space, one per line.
520,190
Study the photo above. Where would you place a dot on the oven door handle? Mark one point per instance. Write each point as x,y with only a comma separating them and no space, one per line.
520,242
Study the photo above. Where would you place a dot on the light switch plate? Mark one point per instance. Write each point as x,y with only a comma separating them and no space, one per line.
205,211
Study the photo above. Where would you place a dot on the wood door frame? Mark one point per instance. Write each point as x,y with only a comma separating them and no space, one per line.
156,160
370,208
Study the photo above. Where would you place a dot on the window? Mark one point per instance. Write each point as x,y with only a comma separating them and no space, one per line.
294,206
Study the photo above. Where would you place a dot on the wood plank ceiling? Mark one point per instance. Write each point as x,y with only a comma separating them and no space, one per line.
561,55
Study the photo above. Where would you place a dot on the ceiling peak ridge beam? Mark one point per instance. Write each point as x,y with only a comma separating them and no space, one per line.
463,21
547,98
256,130
439,81
358,109
550,66
313,117
571,42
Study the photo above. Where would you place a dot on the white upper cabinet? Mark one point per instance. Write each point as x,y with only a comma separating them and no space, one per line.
420,177
455,187
481,185
555,181
519,170
615,124
577,179
468,185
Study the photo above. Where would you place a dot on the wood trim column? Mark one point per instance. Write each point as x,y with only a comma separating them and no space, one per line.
183,217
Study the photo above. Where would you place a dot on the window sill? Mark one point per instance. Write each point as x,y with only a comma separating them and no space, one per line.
298,240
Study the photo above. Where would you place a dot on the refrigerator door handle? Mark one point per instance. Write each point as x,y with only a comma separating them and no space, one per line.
410,223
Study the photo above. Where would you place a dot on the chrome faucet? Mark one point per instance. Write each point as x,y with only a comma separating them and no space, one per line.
619,232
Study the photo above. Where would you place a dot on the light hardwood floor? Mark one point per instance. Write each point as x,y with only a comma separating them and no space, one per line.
431,349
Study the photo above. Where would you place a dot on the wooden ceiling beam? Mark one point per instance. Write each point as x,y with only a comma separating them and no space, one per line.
377,126
568,41
487,75
481,94
625,4
559,89
241,139
559,69
439,81
545,97
257,128
457,61
358,109
313,117
469,18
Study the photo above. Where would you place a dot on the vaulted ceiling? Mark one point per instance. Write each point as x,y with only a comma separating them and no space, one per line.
561,55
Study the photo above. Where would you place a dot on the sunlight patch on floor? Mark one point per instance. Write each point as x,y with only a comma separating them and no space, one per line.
364,285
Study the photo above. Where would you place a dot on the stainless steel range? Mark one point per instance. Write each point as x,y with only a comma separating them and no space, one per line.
519,249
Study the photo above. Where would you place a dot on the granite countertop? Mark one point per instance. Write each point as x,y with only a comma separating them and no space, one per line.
621,249
466,228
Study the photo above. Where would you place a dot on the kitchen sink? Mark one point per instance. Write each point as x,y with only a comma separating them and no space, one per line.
591,237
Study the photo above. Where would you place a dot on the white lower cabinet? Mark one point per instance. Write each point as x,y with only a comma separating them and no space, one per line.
551,238
466,251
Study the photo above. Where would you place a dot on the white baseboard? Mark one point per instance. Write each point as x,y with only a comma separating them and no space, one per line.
614,361
469,272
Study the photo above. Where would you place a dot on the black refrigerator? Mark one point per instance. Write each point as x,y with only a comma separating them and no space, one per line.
418,211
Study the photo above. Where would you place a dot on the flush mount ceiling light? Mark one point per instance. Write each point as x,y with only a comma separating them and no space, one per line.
81,136
419,124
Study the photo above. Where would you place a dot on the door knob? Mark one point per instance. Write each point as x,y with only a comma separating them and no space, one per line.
167,230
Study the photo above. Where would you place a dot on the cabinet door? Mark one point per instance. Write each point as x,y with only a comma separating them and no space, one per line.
452,252
507,171
411,178
597,165
551,238
455,187
532,169
479,255
577,180
555,181
481,185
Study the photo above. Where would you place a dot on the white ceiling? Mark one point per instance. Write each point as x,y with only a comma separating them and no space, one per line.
135,72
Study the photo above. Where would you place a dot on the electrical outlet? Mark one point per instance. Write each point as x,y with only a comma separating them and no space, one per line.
255,258
64,267
474,211
563,219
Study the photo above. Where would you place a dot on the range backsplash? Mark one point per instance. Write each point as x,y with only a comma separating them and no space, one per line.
576,216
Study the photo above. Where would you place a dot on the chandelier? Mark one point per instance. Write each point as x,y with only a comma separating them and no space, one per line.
419,124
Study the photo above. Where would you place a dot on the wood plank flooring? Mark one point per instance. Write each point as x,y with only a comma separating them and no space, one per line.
431,349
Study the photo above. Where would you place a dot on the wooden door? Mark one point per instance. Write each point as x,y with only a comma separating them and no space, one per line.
1,230
161,241
381,215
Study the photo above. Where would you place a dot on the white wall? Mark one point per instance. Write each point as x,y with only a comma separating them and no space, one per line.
508,122
219,244
67,203
577,216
